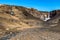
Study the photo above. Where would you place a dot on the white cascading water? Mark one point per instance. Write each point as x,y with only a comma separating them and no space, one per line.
47,18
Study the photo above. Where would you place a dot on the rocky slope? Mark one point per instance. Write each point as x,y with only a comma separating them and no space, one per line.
21,23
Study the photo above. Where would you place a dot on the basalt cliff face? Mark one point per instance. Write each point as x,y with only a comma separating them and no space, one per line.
21,23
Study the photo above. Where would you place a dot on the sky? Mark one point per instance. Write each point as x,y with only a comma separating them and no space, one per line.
43,5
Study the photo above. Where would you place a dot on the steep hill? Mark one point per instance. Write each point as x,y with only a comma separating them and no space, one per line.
18,18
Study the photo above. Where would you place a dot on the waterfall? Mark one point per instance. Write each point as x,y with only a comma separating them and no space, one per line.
48,17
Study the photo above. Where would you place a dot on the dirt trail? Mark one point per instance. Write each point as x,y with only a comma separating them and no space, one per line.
32,34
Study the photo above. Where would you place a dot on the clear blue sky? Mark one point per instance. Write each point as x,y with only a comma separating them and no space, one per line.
44,5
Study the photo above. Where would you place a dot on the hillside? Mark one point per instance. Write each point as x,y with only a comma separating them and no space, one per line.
28,23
